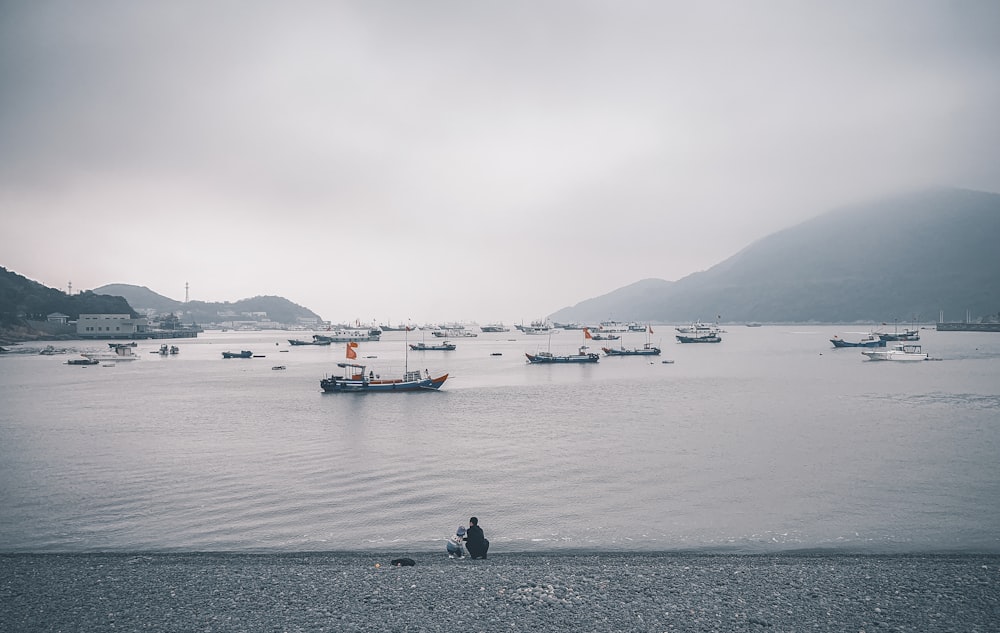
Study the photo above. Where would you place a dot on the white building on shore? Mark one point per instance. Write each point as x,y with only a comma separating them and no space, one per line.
110,326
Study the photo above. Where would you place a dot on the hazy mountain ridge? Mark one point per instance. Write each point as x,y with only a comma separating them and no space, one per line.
904,257
278,309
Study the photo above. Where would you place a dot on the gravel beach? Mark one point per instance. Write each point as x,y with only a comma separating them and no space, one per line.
509,592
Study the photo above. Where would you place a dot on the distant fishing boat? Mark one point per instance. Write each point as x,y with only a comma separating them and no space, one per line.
647,349
871,340
347,336
83,361
317,339
582,355
699,332
119,352
537,327
242,354
445,346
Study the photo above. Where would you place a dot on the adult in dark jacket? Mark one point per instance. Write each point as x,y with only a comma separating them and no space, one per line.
475,541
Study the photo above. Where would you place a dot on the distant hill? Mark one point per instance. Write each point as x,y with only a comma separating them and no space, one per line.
25,304
906,257
22,299
202,312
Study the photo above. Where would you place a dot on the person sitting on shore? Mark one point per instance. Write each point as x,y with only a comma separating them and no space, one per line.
475,541
456,549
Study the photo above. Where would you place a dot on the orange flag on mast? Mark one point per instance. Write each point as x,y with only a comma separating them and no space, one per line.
350,350
650,328
586,333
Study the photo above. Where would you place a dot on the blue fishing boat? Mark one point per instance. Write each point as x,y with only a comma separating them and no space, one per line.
872,340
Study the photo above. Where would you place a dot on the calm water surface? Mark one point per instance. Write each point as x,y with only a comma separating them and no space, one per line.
770,440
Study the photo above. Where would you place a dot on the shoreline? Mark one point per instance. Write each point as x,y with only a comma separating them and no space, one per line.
577,591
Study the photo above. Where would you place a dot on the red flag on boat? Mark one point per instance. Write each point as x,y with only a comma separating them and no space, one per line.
353,344
650,328
350,350
586,333
407,328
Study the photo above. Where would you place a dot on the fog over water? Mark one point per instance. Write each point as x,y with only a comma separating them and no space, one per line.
478,161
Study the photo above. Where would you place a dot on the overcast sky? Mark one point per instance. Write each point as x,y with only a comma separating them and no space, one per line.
464,160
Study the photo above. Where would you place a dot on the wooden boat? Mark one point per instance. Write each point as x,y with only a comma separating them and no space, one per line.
354,379
242,354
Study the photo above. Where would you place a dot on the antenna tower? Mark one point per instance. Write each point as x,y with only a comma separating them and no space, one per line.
70,284
186,290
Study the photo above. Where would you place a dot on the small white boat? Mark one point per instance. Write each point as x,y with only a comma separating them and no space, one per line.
122,352
897,352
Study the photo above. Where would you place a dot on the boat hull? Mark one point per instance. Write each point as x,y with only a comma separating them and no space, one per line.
868,343
646,351
577,358
895,356
904,353
347,336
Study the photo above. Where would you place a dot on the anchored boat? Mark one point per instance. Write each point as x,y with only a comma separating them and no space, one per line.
445,346
355,379
897,352
648,349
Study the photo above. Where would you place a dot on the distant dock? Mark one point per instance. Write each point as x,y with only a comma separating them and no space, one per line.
968,327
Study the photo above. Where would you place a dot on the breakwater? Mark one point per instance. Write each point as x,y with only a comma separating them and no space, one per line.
968,327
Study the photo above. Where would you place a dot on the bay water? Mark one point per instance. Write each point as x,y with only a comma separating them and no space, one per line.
768,441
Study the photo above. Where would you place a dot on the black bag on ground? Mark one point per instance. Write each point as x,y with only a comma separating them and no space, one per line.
403,562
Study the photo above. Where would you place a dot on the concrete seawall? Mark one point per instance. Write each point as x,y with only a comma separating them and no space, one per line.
968,327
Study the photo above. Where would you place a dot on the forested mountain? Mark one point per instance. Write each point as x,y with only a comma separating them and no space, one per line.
22,299
907,257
